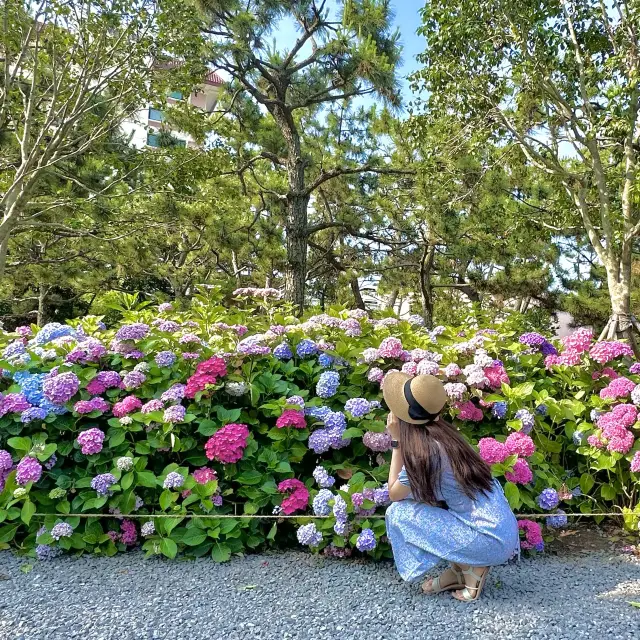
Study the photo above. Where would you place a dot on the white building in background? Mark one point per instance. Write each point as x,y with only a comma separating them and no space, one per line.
149,122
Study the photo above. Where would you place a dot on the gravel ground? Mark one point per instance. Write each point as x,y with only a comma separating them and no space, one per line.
296,595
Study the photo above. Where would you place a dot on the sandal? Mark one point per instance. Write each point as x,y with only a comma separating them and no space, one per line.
465,594
435,583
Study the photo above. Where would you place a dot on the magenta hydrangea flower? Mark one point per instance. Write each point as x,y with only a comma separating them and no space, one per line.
595,441
204,475
227,444
532,534
291,418
14,403
128,532
635,462
6,462
390,348
492,451
521,473
297,496
518,443
469,411
28,470
91,441
621,442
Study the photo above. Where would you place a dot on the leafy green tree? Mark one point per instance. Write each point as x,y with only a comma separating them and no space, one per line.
330,62
558,78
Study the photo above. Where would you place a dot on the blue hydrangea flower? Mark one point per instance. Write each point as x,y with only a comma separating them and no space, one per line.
548,499
499,409
358,407
328,384
542,410
335,420
173,480
34,413
323,478
557,520
317,412
578,437
55,409
307,348
321,503
325,360
366,540
283,351
320,441
52,331
341,527
339,508
165,358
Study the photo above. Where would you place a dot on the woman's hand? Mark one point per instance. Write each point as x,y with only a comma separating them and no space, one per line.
393,426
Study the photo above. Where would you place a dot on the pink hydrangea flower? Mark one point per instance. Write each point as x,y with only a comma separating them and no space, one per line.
204,475
469,411
28,470
595,441
127,405
492,451
291,418
619,388
227,444
297,498
151,406
91,441
603,352
452,370
521,473
455,390
496,375
428,368
375,375
621,442
410,368
390,348
578,341
520,444
635,463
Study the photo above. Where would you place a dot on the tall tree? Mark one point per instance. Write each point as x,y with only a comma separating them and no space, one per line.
332,60
560,79
72,71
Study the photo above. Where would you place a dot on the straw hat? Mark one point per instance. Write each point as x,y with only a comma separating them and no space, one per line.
416,400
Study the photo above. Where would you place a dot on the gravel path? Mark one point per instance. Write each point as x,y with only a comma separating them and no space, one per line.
296,595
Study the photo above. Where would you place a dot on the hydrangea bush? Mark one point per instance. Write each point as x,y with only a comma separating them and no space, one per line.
226,412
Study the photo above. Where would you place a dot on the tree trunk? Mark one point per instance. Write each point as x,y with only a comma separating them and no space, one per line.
295,276
42,306
426,293
393,296
357,294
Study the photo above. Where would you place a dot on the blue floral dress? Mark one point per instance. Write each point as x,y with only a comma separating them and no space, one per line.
480,532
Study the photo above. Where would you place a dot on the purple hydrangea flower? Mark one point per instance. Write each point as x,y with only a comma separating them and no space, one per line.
28,470
526,418
542,410
6,461
339,508
168,326
548,499
217,500
151,406
135,331
381,495
91,441
173,480
175,393
309,536
320,441
61,388
175,413
328,384
44,552
165,358
51,462
147,529
164,307
102,482
335,420
366,540
14,403
532,339
341,527
379,442
134,379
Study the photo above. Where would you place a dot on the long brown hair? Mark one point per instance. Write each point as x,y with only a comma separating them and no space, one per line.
422,449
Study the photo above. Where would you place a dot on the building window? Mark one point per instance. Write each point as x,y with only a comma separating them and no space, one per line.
176,95
153,139
156,115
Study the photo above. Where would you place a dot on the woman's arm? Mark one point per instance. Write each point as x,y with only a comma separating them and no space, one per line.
397,490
